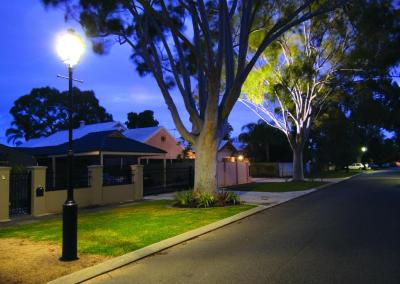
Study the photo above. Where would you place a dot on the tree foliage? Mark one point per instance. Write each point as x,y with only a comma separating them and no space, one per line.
292,83
264,143
45,110
141,119
199,47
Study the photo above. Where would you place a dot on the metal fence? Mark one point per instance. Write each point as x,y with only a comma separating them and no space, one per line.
20,193
58,180
117,175
158,180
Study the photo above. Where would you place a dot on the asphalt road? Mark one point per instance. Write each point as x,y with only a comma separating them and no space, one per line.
346,233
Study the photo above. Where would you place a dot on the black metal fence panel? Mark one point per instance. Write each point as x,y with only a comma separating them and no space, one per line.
20,193
117,175
158,180
58,180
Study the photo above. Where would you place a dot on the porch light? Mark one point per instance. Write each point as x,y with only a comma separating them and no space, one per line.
240,158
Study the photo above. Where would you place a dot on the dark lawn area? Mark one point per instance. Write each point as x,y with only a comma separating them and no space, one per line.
336,174
277,186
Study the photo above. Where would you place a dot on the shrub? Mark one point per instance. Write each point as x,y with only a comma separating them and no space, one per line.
227,198
185,199
204,199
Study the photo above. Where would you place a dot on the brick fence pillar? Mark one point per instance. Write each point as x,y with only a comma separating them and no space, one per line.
96,183
4,193
137,171
38,196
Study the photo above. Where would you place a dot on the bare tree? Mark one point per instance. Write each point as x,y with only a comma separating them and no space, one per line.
288,90
195,45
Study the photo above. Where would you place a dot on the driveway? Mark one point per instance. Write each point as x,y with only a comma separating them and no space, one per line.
346,233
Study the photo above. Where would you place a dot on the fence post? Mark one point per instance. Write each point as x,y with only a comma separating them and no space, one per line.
137,171
4,193
96,183
38,183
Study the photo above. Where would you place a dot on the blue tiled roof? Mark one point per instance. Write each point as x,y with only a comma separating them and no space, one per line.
105,141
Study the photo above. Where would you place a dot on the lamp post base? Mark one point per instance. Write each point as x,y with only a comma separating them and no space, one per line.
70,231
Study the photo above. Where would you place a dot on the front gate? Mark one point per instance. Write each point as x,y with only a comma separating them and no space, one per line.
20,193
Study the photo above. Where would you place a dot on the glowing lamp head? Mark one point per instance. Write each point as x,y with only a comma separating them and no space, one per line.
70,47
240,157
364,149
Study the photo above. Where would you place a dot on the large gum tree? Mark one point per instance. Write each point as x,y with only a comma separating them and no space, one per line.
198,49
296,77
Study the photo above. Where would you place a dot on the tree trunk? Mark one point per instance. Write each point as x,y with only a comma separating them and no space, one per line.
205,179
298,173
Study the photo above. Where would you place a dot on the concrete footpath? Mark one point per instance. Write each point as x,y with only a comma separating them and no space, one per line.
264,200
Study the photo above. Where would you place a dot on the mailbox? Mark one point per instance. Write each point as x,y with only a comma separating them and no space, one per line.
40,191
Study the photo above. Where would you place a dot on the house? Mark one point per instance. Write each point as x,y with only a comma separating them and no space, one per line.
110,149
227,150
158,137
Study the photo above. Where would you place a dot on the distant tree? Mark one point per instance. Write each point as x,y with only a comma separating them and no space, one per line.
334,140
45,110
264,143
194,45
228,132
142,119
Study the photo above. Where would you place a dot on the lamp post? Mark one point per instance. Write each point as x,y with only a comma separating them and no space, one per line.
70,47
363,150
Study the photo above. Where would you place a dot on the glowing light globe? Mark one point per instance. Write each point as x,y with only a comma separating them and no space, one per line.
70,47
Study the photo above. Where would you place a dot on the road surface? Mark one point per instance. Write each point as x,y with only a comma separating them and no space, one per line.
346,233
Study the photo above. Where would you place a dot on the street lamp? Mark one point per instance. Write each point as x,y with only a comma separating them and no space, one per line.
70,47
363,150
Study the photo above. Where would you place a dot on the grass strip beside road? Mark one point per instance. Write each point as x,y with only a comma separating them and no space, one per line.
121,230
336,174
278,186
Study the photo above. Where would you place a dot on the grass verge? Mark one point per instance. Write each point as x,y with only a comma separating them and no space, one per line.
121,230
336,174
277,186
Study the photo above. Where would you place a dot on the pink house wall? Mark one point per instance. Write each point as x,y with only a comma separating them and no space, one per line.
169,144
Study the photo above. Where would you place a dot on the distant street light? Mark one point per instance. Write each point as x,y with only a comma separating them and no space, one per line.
363,150
70,48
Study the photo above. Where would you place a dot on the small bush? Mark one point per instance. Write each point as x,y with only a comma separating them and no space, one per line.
205,199
185,199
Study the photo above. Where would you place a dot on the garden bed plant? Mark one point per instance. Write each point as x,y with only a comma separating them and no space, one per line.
195,199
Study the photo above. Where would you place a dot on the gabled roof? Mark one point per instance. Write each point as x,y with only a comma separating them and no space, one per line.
105,141
142,134
61,137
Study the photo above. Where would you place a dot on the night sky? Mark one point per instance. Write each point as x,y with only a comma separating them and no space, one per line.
28,60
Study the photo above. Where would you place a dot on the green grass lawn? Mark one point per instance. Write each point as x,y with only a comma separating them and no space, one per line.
336,174
277,186
120,230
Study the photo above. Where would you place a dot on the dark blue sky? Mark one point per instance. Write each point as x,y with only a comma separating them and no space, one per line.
28,60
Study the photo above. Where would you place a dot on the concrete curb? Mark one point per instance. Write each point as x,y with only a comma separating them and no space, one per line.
117,262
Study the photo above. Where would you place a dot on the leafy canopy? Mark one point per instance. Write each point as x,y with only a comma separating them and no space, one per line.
142,119
45,110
